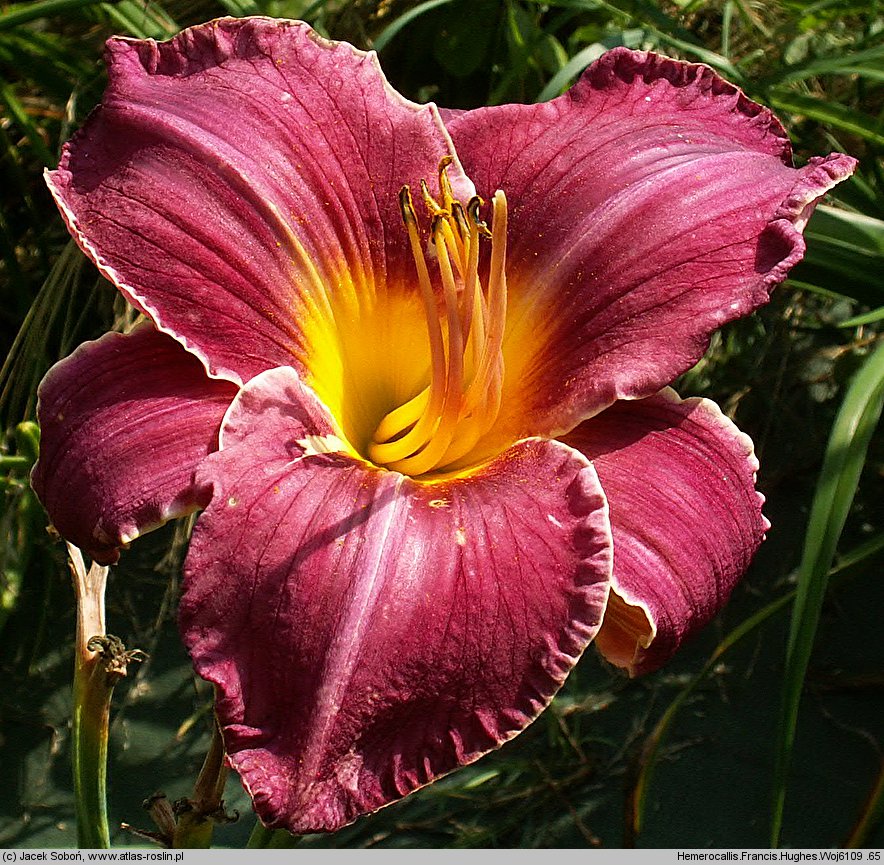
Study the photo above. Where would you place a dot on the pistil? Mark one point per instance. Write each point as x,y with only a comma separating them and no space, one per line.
440,425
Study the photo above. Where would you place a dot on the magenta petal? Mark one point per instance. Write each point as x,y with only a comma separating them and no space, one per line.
650,205
124,422
368,633
686,518
240,177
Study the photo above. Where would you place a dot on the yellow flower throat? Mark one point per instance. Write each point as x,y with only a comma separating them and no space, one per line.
437,428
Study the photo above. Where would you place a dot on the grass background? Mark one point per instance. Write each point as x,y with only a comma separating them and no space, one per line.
778,704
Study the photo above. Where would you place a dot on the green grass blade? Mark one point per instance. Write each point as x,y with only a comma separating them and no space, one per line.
638,796
44,61
866,318
240,8
854,231
856,63
402,21
836,487
141,20
22,13
871,815
845,255
571,70
28,360
829,113
704,55
637,800
650,14
18,112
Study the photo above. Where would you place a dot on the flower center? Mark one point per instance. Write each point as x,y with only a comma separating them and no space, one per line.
439,426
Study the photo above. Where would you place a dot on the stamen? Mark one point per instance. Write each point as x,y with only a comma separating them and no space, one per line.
426,423
435,448
473,208
403,417
444,183
454,243
472,293
497,297
442,424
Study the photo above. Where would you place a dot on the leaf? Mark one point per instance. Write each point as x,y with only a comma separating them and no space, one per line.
18,112
240,8
22,13
850,63
141,20
637,797
845,256
571,70
402,21
462,46
835,490
829,113
867,318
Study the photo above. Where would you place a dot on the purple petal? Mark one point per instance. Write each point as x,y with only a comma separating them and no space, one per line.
650,205
241,180
124,422
368,633
686,518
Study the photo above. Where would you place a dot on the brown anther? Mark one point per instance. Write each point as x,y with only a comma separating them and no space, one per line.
406,205
473,206
445,189
460,219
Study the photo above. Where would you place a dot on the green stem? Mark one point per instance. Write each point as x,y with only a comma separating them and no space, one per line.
92,695
194,827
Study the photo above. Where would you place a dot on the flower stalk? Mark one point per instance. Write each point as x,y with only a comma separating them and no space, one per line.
196,820
100,662
93,687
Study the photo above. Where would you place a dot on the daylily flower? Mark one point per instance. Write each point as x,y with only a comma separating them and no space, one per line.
411,365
